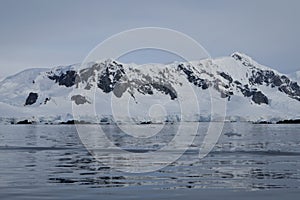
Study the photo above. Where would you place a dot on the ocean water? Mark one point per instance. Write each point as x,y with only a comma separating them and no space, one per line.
249,161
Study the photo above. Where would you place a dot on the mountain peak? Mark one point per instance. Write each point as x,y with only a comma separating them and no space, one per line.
251,90
240,55
249,62
244,59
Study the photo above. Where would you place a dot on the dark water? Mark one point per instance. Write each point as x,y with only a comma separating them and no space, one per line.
249,161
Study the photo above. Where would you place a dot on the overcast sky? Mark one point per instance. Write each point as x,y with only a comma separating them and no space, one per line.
60,32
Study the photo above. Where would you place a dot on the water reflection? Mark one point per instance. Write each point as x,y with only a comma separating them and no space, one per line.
258,158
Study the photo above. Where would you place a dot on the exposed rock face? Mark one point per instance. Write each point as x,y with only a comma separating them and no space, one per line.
78,99
165,88
292,89
269,78
120,88
110,76
31,99
193,76
66,79
259,98
226,76
24,122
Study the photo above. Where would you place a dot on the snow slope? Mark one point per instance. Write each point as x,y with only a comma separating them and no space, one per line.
109,91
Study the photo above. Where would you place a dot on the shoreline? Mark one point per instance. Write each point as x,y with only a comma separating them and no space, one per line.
82,122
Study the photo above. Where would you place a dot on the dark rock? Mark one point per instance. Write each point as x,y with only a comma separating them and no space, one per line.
283,83
67,79
205,86
88,86
293,90
145,89
109,77
31,99
78,99
105,83
165,88
277,81
262,122
258,78
259,98
46,100
105,120
86,74
285,79
291,121
237,57
295,87
246,91
232,134
226,76
74,122
24,122
146,122
223,95
237,82
68,122
285,89
193,78
119,89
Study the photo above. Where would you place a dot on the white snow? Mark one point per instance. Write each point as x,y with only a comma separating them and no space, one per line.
15,89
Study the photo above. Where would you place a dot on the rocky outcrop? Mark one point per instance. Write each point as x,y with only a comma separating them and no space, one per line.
66,79
78,99
193,76
110,76
226,76
260,98
166,89
270,78
31,99
46,100
256,96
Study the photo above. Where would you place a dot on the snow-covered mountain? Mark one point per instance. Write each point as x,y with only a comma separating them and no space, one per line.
252,92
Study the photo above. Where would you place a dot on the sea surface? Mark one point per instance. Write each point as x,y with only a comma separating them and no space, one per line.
249,161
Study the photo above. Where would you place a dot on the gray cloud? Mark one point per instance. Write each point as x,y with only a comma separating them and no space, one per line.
47,33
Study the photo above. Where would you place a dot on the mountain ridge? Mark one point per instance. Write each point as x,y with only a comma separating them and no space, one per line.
253,92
